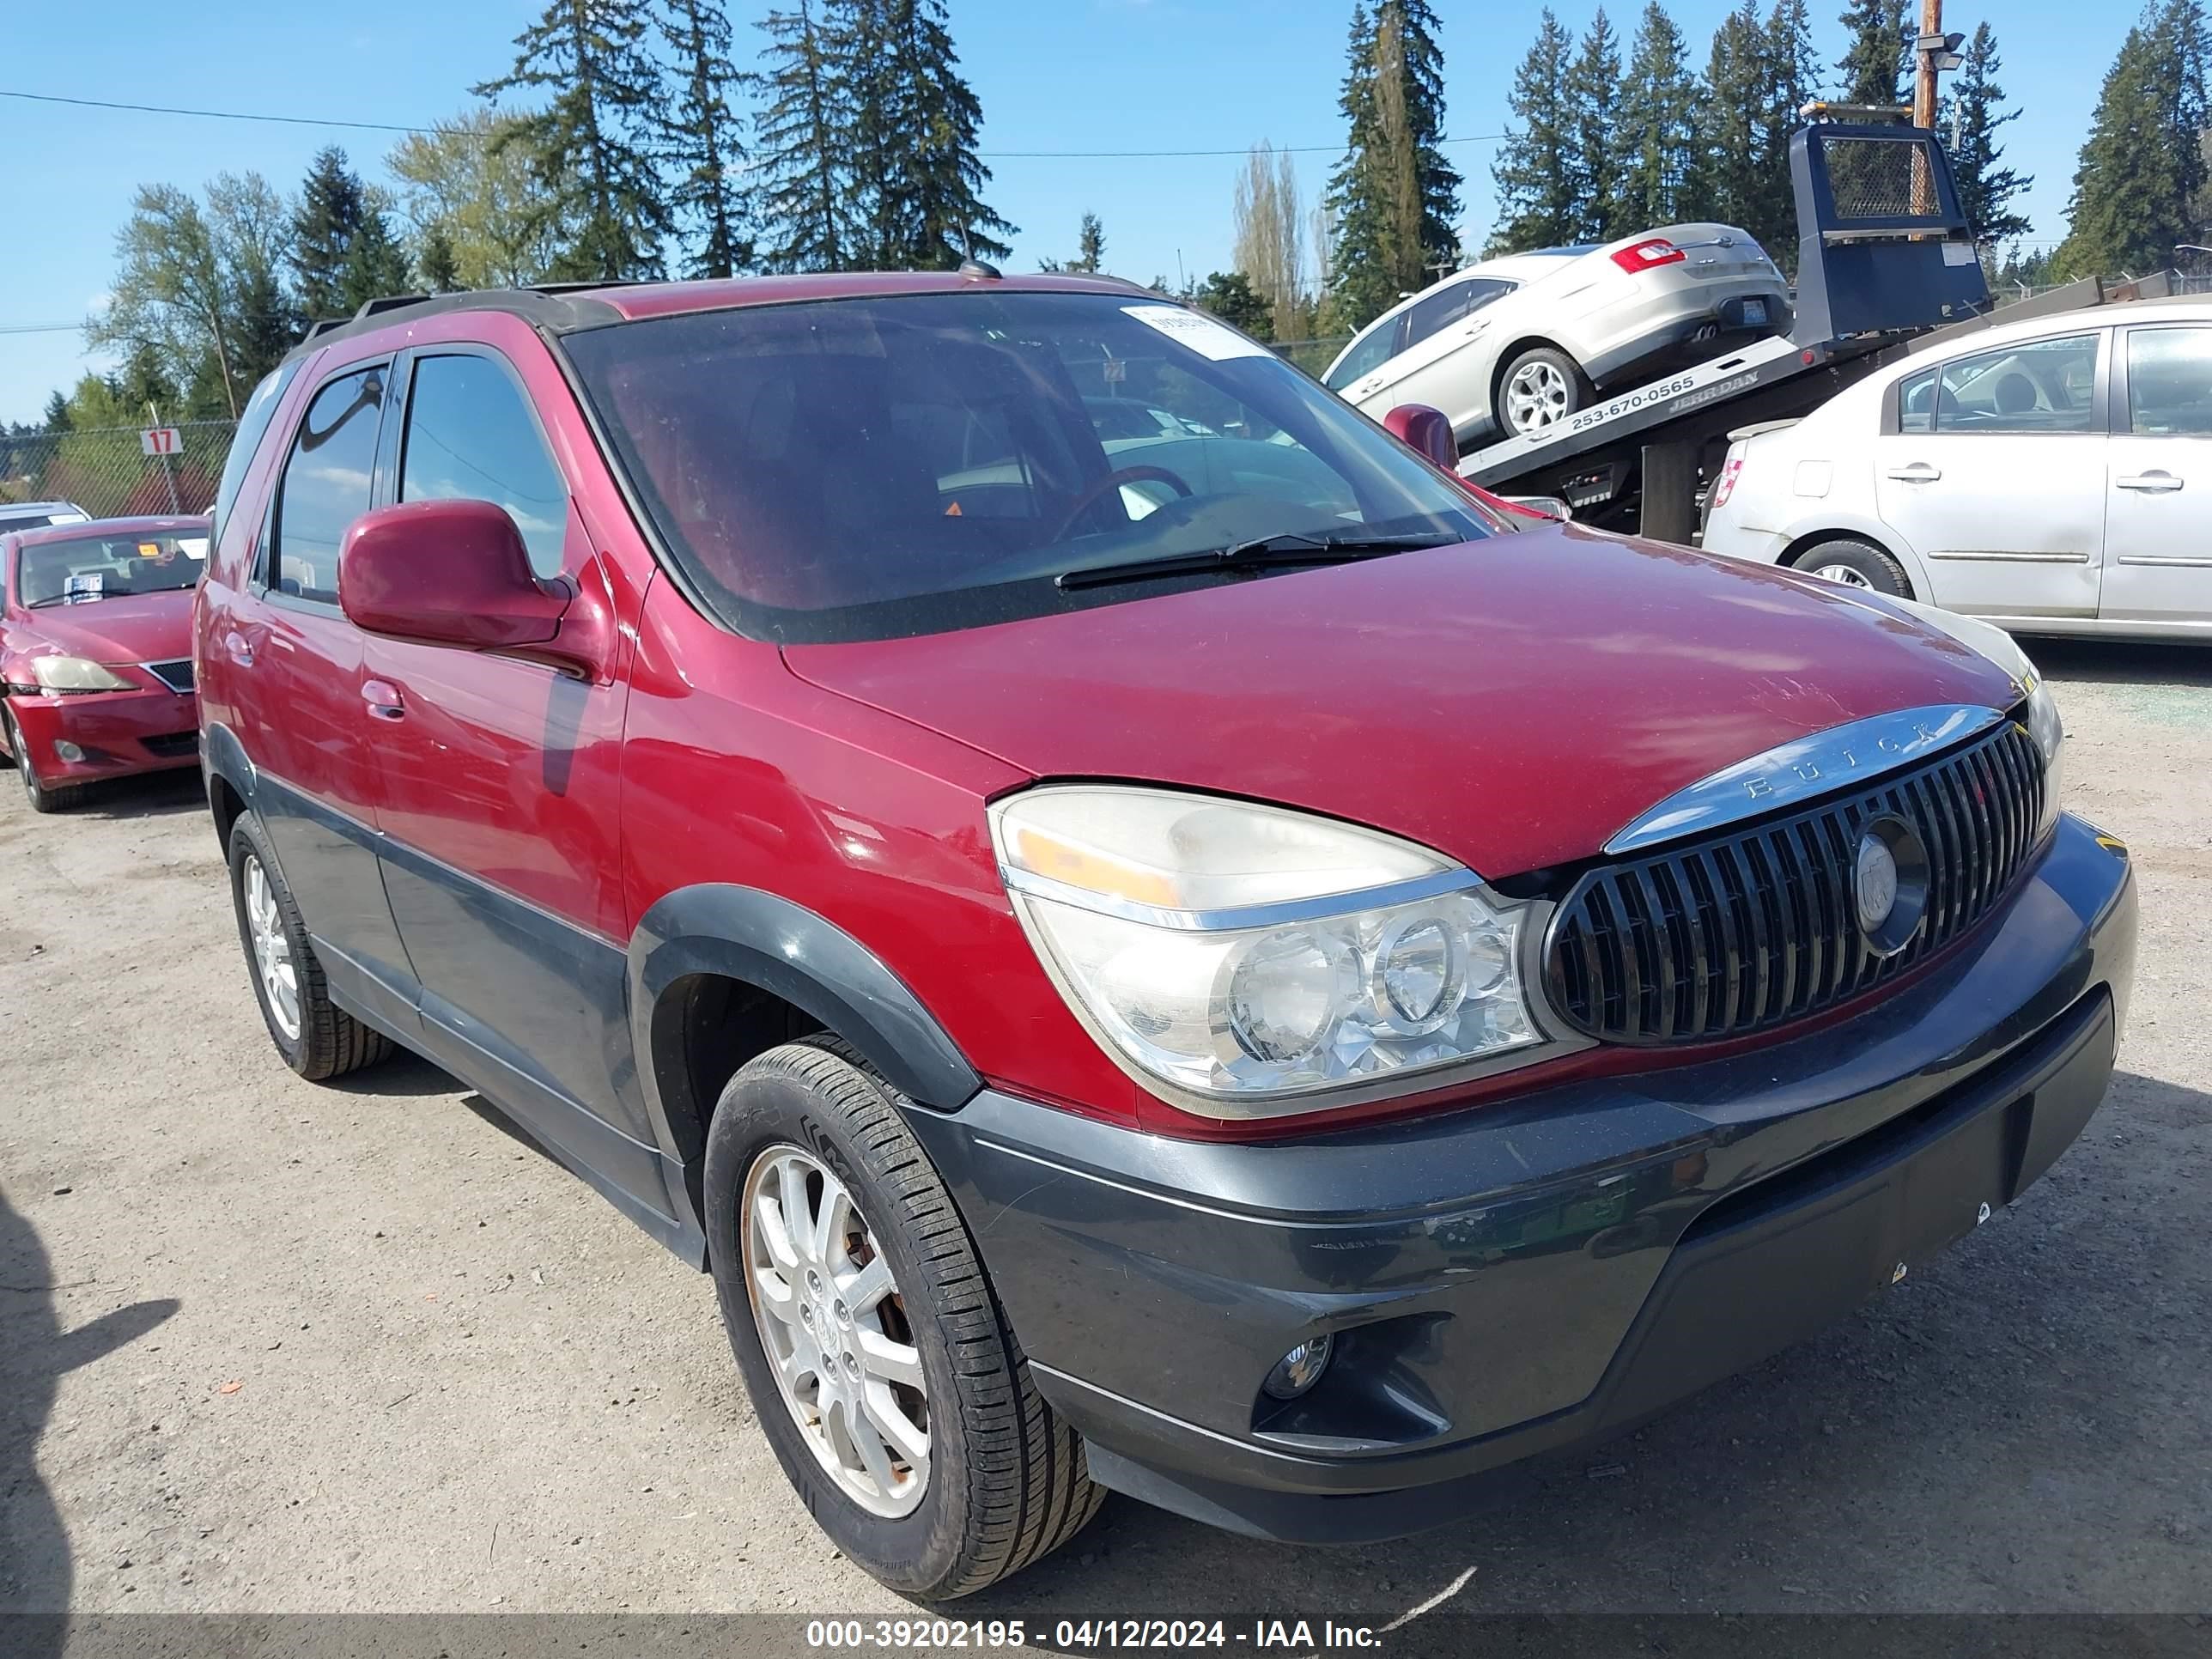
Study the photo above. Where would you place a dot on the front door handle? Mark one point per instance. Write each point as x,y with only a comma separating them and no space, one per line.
384,700
2154,482
1917,473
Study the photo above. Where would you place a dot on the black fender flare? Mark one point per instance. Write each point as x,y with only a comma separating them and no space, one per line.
222,755
789,951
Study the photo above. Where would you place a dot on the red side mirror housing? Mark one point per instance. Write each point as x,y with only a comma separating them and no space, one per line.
453,573
1426,429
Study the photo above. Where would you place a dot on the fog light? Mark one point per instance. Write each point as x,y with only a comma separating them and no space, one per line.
1298,1370
67,751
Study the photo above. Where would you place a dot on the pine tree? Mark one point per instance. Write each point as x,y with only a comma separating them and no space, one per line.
1394,196
1231,297
1659,101
440,267
1986,187
802,141
330,215
1592,90
591,147
57,417
700,135
2144,163
915,121
1792,81
375,264
1730,183
1090,246
1878,51
1538,170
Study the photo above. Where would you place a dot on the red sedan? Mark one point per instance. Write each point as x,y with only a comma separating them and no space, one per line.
96,652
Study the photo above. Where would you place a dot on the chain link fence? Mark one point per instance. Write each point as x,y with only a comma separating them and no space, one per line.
106,472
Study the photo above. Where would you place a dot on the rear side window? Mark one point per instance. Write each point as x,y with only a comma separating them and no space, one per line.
472,436
253,426
326,484
2169,381
1447,306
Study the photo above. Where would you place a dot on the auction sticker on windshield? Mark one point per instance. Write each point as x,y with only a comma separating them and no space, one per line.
1198,332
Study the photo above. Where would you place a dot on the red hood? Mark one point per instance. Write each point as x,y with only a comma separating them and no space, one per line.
129,628
1512,703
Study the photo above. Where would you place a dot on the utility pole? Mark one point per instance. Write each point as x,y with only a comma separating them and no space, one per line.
1923,78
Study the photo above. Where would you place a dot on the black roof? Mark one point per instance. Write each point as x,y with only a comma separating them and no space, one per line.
557,308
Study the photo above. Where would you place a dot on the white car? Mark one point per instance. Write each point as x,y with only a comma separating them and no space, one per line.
2053,476
1515,344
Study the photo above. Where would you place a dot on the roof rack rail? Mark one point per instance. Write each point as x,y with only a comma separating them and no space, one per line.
388,303
578,288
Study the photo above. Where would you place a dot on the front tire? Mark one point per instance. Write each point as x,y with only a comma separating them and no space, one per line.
1540,388
1856,563
317,1039
912,1432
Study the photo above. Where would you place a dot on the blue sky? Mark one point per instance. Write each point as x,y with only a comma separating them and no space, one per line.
1053,75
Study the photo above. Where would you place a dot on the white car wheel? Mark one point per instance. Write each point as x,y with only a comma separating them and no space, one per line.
1542,387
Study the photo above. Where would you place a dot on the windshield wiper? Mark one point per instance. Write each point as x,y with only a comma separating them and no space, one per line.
1282,550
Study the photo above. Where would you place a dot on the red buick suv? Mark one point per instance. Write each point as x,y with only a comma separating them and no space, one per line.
1145,937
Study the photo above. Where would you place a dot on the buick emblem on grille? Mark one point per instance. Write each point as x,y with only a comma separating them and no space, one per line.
1875,883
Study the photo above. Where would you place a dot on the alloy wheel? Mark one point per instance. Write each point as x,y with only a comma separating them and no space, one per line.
1537,395
833,1324
1849,575
272,950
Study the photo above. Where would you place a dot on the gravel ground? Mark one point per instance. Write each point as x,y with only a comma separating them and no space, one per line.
271,1346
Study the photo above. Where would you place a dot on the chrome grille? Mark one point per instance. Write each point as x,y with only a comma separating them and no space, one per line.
1742,932
177,676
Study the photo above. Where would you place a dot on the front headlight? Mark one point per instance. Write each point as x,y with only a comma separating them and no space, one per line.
1248,960
74,674
2001,648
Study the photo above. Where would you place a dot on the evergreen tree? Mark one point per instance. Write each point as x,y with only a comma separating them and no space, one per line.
1986,187
1793,78
440,265
1658,123
803,157
1592,90
1395,197
375,264
2143,164
1538,169
591,146
332,208
1231,297
57,417
1879,51
1090,246
700,135
916,122
1730,183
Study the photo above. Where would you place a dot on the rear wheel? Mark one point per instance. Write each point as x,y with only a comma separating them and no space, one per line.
318,1038
1540,387
880,1365
43,798
1856,564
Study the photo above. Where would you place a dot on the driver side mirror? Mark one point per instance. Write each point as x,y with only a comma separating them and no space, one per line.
457,573
1425,429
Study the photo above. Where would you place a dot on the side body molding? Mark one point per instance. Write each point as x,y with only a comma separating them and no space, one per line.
743,933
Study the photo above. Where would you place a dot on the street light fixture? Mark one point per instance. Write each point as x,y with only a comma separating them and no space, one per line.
1941,51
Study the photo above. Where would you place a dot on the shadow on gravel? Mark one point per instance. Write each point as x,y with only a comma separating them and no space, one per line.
35,1569
405,1074
2122,662
155,795
2014,1431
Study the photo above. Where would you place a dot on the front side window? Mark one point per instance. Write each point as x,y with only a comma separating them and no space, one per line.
2041,386
326,484
93,567
1368,354
869,468
252,424
471,436
2169,381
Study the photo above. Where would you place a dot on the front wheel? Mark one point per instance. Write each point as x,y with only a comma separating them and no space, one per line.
1541,388
43,798
880,1365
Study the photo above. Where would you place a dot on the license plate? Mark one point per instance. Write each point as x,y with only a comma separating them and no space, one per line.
1754,313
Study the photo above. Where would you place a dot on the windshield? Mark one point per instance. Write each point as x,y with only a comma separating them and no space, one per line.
108,566
865,468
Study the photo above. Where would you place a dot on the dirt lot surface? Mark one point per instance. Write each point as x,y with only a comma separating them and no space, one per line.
267,1345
